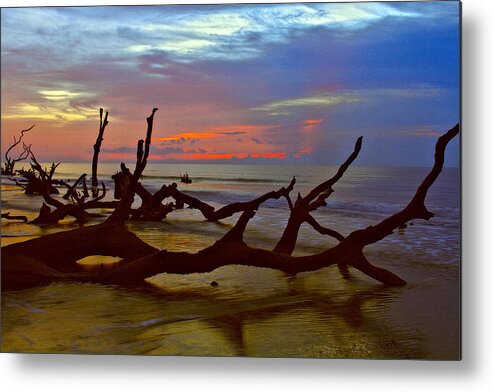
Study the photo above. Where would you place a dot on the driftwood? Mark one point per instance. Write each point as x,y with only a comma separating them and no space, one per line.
209,212
97,147
9,165
7,216
122,212
76,208
38,180
53,257
153,209
72,189
300,210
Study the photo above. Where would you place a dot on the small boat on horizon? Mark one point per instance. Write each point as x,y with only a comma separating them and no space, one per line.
185,178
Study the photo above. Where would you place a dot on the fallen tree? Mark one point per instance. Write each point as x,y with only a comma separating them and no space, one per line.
53,258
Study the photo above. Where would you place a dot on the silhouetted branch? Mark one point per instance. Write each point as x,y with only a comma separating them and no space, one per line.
209,212
97,148
122,212
72,192
315,199
236,233
14,217
323,230
416,209
10,162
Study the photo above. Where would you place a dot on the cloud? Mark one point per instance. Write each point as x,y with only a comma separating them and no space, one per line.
273,69
236,33
213,133
177,150
186,33
118,150
56,113
283,107
59,95
421,91
61,102
156,151
311,123
425,131
231,133
345,97
187,137
240,129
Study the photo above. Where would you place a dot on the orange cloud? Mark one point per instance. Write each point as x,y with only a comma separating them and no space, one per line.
280,155
243,128
213,133
187,136
311,123
213,156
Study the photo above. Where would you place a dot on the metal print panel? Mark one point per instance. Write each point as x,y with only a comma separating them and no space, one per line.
266,180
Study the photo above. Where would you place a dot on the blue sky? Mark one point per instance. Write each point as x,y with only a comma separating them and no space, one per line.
285,83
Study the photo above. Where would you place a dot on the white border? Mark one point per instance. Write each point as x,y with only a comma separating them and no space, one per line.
99,373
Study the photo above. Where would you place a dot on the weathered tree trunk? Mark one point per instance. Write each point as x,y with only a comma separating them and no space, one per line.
53,257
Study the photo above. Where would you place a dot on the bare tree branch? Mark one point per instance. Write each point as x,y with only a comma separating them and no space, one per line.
10,162
123,210
97,148
303,205
14,217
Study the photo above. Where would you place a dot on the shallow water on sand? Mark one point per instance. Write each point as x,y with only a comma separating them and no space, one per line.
256,311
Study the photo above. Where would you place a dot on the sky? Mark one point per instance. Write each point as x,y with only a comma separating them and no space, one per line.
253,83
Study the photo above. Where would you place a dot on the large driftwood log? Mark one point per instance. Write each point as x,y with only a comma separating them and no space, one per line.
53,257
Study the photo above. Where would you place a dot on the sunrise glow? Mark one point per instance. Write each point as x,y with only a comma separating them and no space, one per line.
290,82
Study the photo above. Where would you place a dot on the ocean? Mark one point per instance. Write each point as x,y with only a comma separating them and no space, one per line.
256,311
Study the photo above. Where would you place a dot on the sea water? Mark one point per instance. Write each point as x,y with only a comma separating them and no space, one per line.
257,311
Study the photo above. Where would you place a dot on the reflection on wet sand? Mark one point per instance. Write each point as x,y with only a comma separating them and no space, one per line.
253,311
